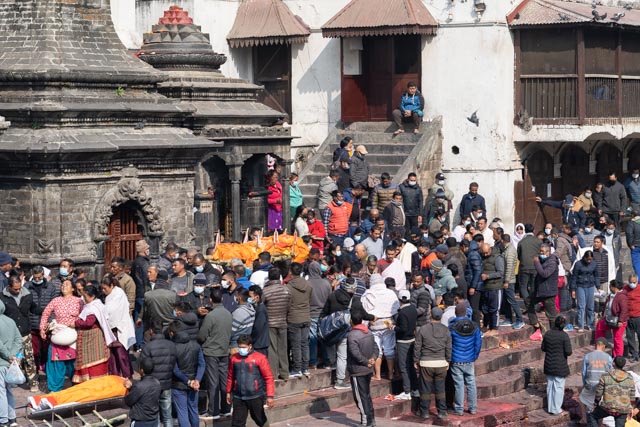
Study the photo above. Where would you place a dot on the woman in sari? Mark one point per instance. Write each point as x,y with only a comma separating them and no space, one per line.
94,337
274,201
121,325
60,358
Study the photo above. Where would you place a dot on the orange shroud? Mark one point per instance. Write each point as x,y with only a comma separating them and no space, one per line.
88,391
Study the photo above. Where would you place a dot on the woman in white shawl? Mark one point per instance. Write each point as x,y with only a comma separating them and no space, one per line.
121,325
518,234
94,338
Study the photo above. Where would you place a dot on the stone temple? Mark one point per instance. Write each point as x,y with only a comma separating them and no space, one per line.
99,148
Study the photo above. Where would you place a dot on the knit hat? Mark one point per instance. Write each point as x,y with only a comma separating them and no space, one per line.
141,246
404,295
440,193
5,258
200,279
436,264
436,313
442,248
349,287
348,243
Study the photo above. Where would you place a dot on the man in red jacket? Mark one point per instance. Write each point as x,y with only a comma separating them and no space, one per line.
249,380
633,325
616,311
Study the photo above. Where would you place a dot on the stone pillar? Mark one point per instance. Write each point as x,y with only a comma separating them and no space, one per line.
235,174
286,211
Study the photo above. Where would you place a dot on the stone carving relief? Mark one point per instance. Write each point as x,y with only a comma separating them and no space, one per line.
45,246
128,188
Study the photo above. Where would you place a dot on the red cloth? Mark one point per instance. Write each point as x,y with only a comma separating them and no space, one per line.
617,333
620,306
275,195
633,299
317,229
249,364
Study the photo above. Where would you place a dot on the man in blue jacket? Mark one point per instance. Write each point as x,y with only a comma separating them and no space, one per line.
466,342
411,108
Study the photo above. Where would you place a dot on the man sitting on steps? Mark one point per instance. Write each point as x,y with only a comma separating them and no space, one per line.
411,108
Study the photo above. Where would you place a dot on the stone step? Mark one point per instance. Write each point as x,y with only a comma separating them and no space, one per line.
541,418
389,126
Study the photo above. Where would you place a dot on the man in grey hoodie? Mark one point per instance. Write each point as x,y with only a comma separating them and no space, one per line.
327,185
321,291
10,345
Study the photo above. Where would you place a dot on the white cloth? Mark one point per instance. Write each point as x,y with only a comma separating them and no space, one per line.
405,256
396,270
378,300
488,236
259,277
302,228
97,308
515,239
117,307
458,232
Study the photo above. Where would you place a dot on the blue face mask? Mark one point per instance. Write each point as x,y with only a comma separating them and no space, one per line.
250,300
243,351
64,271
357,238
339,202
199,269
38,282
633,285
324,267
542,257
174,314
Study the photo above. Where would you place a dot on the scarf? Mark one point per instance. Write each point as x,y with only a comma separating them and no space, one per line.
117,307
97,308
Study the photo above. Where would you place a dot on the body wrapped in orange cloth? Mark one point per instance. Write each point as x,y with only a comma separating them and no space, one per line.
88,391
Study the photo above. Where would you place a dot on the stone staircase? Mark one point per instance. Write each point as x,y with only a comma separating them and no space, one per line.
510,383
396,154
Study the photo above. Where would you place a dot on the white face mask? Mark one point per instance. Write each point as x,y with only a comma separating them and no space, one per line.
609,232
198,290
547,231
587,230
225,284
441,182
635,176
412,183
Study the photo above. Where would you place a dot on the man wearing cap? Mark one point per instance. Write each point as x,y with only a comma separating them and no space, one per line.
348,246
595,364
360,168
412,201
466,343
440,184
5,266
443,280
434,205
432,355
198,299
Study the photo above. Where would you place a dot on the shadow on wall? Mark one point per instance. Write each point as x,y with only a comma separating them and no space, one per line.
316,78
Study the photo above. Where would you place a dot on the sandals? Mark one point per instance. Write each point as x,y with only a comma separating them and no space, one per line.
399,131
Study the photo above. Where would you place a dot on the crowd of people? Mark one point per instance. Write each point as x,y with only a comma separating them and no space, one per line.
390,287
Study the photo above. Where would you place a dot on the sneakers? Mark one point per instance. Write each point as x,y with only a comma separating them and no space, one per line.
402,396
472,411
505,323
295,374
13,423
306,373
341,385
518,325
227,414
536,336
208,416
568,328
415,393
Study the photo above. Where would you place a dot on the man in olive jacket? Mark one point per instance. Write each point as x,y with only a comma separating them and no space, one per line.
299,321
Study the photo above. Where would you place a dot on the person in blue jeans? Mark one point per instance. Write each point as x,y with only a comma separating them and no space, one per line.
187,374
466,342
584,280
10,346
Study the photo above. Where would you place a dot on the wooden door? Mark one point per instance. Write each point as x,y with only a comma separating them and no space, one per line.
378,66
353,99
407,65
124,232
272,69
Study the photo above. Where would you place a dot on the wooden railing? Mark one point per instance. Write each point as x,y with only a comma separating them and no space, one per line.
550,96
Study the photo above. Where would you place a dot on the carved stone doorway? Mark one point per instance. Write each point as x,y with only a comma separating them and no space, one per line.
123,233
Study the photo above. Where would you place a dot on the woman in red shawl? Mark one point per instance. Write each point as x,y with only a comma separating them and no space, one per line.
274,201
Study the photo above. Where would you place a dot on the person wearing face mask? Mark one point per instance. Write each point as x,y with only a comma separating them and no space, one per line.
141,280
572,210
632,236
583,283
434,205
461,228
545,289
201,265
472,201
394,214
243,318
248,368
586,198
336,218
171,253
412,200
43,293
276,298
344,179
613,243
633,325
614,200
615,317
260,330
440,184
299,221
295,194
360,169
198,299
316,230
632,185
588,234
229,290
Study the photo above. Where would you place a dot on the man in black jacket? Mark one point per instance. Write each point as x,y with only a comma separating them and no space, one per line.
162,353
412,201
405,339
260,331
19,304
140,278
362,352
143,397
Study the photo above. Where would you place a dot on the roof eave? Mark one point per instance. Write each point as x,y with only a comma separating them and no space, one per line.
265,41
429,30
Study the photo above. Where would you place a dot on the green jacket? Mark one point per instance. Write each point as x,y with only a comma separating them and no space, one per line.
215,332
10,339
616,392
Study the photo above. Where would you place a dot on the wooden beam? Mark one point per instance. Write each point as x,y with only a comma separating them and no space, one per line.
582,100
